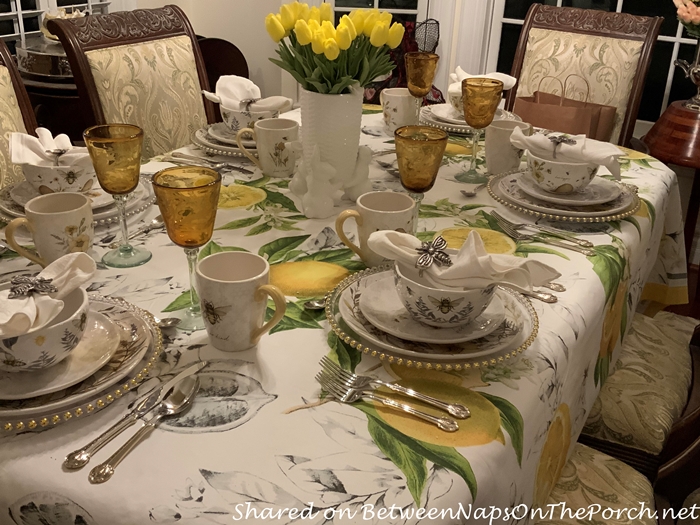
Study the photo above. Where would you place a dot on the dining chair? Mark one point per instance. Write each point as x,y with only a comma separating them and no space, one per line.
648,410
16,114
141,67
611,51
221,57
692,499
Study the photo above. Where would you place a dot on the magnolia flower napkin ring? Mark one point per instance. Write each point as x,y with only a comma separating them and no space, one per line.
23,285
432,252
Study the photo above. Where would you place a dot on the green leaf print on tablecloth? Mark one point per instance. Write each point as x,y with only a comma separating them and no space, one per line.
342,353
295,316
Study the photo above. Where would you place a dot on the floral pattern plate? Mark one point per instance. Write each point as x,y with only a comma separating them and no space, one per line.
219,131
97,346
599,191
381,306
505,189
140,343
209,144
511,337
23,192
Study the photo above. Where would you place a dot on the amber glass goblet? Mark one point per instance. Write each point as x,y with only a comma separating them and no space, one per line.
481,98
115,150
420,73
419,151
187,197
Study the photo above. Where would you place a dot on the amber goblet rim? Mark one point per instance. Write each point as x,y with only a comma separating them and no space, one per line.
89,133
442,135
203,170
481,82
423,55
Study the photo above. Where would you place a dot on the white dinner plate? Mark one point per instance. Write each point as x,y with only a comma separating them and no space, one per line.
23,192
382,306
97,346
446,113
599,191
219,131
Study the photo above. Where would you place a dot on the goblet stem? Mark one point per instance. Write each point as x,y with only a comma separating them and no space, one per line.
120,203
191,264
417,197
475,144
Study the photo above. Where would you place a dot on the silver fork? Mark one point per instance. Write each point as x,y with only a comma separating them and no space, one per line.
517,236
349,395
545,229
366,383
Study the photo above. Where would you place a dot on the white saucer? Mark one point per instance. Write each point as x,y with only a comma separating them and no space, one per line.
220,132
447,113
97,346
599,191
381,306
23,192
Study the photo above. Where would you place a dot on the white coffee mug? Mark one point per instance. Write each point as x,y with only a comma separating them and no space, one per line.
377,210
273,141
233,288
501,155
59,223
399,107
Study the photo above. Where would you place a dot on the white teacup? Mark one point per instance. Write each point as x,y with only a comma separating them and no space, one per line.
560,177
273,140
377,210
501,155
399,107
236,119
233,289
59,223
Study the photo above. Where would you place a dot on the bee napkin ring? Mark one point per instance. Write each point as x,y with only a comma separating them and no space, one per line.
433,252
23,285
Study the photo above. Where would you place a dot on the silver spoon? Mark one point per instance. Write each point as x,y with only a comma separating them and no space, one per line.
473,192
177,401
167,322
316,304
153,225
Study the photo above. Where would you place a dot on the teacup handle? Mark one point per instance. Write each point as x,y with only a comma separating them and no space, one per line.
10,235
280,308
239,141
340,221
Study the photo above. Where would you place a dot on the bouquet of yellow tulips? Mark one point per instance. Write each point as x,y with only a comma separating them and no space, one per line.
327,59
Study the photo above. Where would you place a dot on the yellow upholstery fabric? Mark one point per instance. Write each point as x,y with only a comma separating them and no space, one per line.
593,478
693,499
608,64
648,389
10,121
153,85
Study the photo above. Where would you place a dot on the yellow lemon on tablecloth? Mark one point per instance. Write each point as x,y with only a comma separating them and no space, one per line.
484,425
554,452
405,372
457,149
239,196
306,278
634,154
495,242
643,210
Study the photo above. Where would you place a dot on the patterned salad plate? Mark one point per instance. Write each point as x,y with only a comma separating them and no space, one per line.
209,144
381,306
599,191
429,118
23,192
219,131
504,188
516,333
96,349
140,344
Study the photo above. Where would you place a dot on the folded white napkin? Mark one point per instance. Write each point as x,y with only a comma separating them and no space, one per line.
22,314
236,93
459,75
583,150
472,267
28,149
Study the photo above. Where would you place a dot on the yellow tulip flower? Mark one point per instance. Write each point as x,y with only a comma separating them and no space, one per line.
331,49
326,12
358,19
396,32
303,33
328,29
315,14
288,17
347,22
274,27
370,20
385,17
343,37
314,25
317,43
303,13
380,34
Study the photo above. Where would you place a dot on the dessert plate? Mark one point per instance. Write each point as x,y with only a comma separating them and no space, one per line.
599,191
23,192
381,306
97,346
219,131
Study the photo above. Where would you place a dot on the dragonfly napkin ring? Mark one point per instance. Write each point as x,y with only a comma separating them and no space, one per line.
248,102
557,140
433,252
23,285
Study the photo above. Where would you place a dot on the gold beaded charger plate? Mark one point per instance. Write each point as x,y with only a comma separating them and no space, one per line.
209,144
140,344
515,334
504,188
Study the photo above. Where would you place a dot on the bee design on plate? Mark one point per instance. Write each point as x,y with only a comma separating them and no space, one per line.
444,304
212,313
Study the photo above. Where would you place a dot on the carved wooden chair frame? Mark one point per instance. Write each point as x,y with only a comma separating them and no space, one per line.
25,106
80,35
599,23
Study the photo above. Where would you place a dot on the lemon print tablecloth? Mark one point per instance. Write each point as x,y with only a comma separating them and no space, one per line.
260,441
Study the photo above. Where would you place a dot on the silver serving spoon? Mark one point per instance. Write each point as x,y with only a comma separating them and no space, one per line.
153,225
316,304
474,191
177,401
167,322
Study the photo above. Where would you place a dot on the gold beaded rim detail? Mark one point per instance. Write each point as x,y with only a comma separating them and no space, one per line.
351,339
106,398
634,207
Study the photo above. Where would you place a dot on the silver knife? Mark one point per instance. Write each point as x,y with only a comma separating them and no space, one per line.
80,458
